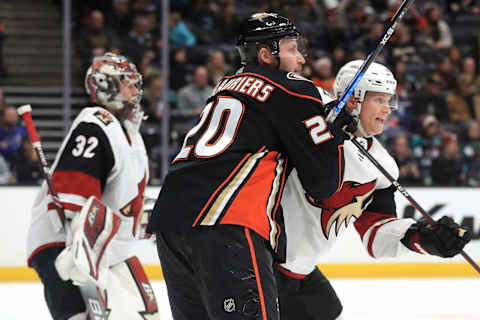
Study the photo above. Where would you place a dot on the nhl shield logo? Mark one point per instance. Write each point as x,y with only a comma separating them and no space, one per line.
229,305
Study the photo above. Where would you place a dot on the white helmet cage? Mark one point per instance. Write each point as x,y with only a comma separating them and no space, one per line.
378,78
103,81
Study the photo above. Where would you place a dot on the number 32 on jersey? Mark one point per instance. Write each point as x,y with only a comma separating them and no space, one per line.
220,132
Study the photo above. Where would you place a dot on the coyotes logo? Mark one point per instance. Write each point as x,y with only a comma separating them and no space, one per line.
104,116
349,201
135,206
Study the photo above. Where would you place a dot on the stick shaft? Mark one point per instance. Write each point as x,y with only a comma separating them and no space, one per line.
370,58
405,193
25,113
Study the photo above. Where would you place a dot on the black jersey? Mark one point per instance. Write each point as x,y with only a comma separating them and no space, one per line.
257,125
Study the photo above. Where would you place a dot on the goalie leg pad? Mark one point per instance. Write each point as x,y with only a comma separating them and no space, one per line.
63,298
129,293
92,231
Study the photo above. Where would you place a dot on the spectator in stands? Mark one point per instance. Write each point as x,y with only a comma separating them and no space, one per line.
153,105
403,46
409,173
438,34
427,146
360,20
336,35
179,68
309,18
456,59
216,66
446,72
471,154
431,100
469,70
6,176
147,9
227,22
192,97
366,41
405,91
180,35
3,36
11,134
153,102
121,17
2,101
463,103
94,39
447,168
322,75
281,7
140,43
202,14
339,58
26,164
464,6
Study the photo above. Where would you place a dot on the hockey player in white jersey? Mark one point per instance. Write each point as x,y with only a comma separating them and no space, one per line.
366,198
102,164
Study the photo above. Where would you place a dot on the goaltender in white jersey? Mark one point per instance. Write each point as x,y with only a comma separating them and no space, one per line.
102,163
365,199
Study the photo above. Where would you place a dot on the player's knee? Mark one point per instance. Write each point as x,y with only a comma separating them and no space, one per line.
63,298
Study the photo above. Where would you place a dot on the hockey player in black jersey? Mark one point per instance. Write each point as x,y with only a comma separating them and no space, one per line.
99,173
366,198
218,217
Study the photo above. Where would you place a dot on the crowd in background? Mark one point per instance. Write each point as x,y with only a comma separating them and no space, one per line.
434,54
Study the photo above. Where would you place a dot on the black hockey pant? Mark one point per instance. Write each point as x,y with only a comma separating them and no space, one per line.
218,272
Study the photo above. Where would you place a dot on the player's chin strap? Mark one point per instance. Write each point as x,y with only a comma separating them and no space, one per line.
356,112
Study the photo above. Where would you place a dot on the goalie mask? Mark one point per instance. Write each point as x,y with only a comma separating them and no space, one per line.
266,29
114,82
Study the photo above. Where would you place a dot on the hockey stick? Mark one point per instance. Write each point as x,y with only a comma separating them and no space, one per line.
25,112
407,196
341,103
91,294
370,58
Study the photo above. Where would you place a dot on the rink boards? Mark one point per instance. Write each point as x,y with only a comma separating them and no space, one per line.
347,259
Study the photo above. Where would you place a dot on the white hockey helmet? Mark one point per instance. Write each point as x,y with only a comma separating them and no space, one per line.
103,80
378,78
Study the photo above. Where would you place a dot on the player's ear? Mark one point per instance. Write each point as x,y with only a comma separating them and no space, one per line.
265,57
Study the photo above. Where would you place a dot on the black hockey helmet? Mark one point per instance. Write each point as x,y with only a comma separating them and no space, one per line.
263,28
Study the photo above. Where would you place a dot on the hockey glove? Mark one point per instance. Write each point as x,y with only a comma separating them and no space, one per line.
344,125
445,239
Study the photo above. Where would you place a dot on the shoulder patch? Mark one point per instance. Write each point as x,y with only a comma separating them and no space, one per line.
104,116
294,76
327,97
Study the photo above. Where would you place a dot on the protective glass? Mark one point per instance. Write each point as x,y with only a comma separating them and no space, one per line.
391,101
300,46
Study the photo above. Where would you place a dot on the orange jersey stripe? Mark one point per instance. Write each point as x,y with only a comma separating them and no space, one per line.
219,189
249,208
257,274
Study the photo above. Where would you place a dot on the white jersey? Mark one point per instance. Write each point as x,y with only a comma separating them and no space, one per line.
99,157
365,198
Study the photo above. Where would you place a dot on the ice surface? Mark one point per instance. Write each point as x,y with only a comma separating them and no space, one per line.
372,299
